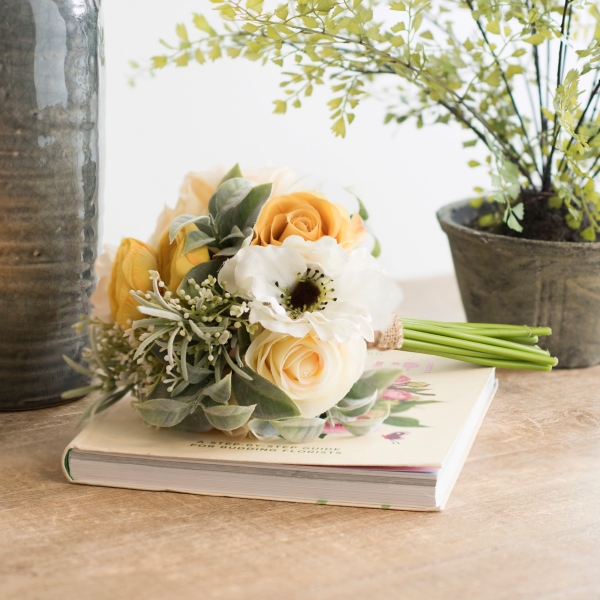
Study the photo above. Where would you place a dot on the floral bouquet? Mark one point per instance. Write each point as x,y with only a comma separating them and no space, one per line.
250,311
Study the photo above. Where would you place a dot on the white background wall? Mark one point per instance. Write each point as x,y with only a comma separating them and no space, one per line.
221,113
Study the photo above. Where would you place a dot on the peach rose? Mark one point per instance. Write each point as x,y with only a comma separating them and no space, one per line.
315,374
173,264
130,272
309,215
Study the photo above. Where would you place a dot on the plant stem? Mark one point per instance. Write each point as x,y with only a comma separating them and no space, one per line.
503,364
547,178
508,88
527,354
441,333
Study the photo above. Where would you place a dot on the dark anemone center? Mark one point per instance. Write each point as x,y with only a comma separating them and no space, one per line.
304,295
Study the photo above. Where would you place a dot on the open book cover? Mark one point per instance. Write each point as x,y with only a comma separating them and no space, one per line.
411,462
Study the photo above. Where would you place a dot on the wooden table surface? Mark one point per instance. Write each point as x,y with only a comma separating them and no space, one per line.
522,522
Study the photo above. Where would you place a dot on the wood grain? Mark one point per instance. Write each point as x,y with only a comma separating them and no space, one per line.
522,522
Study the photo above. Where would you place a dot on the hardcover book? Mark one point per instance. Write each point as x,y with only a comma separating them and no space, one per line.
410,463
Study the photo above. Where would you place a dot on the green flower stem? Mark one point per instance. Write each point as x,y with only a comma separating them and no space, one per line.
496,330
500,363
496,355
526,354
438,334
531,341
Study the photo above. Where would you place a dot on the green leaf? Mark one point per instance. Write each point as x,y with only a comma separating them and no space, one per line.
182,60
299,430
407,405
199,273
195,422
355,408
376,248
228,417
77,367
536,39
262,429
403,422
588,234
178,223
228,195
513,223
197,374
555,202
280,107
196,239
220,391
271,402
245,214
519,210
163,412
201,23
233,173
513,70
493,27
366,426
372,381
159,62
181,31
339,128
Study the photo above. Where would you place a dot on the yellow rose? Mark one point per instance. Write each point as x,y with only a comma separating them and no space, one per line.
130,272
309,215
173,265
315,374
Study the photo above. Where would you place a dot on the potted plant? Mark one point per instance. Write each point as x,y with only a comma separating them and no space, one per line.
513,74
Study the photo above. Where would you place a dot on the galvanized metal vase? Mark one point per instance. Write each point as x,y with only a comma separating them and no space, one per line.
50,186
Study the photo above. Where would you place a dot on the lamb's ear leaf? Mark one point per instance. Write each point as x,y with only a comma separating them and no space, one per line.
372,381
299,430
271,402
242,208
199,273
163,412
195,422
365,426
228,194
262,429
234,172
178,223
220,391
197,374
356,408
228,416
196,239
246,213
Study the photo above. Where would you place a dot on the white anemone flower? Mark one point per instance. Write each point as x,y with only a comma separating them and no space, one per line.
302,286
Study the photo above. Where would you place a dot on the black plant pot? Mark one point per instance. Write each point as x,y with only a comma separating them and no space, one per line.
50,179
529,282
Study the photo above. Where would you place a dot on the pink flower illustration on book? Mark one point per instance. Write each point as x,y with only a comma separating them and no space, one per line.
402,395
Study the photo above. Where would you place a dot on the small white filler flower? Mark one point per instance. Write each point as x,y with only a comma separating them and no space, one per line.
302,286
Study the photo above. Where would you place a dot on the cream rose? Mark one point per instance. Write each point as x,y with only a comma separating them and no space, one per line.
315,374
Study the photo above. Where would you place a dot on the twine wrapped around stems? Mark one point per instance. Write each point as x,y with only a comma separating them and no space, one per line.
391,338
